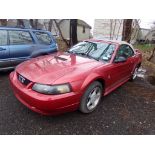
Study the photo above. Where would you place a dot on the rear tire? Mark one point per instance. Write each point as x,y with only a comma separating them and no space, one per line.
91,98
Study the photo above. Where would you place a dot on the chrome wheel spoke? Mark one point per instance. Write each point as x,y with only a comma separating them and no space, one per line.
89,104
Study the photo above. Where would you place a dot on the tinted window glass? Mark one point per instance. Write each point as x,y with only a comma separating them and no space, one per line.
20,37
129,51
125,51
3,37
43,38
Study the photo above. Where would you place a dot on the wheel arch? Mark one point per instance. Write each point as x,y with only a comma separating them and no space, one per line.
91,79
139,64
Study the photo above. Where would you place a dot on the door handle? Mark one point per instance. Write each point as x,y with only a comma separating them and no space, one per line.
2,49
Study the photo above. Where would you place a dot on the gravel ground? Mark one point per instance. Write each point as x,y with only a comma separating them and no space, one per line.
128,110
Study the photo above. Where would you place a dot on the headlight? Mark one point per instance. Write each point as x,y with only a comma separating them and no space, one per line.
52,89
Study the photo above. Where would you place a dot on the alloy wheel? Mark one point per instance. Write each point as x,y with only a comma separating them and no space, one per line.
94,98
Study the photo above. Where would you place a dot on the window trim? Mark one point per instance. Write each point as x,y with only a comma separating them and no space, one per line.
22,31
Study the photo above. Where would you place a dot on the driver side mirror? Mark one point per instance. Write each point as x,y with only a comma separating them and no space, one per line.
120,59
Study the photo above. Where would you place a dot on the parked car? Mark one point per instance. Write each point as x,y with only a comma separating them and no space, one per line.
20,44
76,79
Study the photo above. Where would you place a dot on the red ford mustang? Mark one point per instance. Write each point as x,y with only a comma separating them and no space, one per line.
75,79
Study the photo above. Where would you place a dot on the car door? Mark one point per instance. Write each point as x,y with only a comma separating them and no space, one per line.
130,57
4,50
120,71
21,46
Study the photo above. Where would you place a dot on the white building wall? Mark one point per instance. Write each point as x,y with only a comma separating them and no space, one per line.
112,29
82,36
65,26
108,28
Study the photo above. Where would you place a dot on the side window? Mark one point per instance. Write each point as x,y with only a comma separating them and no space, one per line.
107,54
20,38
125,51
130,51
43,38
3,37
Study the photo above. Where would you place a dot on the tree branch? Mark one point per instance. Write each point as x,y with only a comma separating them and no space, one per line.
57,25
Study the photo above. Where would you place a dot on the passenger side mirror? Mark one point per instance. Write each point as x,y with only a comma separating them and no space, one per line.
120,59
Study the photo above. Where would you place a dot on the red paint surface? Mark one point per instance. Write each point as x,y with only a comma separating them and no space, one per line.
76,70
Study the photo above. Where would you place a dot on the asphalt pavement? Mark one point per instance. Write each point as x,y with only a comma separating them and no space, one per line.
128,110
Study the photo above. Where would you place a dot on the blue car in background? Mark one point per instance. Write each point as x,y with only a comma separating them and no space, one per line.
20,44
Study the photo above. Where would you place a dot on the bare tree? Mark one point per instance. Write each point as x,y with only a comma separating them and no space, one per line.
50,25
73,32
152,54
34,23
3,22
113,34
20,23
153,25
31,23
57,25
120,24
111,23
127,29
135,30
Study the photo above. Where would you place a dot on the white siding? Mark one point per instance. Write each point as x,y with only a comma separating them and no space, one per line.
65,26
81,35
104,27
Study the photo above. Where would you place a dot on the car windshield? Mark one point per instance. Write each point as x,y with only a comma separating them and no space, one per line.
94,50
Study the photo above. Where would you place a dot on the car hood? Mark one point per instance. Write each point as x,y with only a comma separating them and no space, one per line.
47,69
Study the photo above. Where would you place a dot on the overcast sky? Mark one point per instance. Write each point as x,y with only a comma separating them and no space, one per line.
145,23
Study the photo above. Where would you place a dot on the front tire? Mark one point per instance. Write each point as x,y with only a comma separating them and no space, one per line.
91,97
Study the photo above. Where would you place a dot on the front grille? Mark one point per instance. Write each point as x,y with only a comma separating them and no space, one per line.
23,80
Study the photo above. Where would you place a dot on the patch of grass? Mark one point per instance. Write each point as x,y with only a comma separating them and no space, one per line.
144,47
146,50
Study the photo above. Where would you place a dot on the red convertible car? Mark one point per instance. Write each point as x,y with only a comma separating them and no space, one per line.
75,79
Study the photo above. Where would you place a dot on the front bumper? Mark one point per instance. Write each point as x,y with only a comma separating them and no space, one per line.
44,104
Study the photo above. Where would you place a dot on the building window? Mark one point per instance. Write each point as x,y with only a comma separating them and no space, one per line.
153,35
84,30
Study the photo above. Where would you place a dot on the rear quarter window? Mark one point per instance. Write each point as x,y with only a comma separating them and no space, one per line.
43,38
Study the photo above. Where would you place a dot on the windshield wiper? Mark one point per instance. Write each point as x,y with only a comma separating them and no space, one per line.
81,53
68,51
